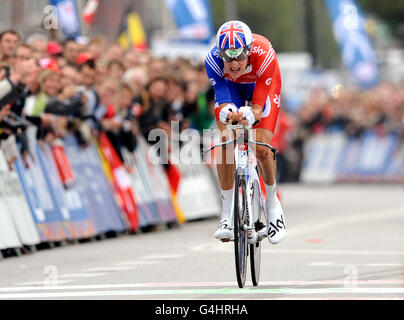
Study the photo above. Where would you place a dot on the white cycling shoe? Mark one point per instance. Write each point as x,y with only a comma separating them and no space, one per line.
276,223
223,232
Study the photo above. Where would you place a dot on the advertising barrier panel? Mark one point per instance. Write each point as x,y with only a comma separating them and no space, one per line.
17,205
121,182
93,188
335,157
48,218
149,214
322,156
67,200
8,233
197,192
158,181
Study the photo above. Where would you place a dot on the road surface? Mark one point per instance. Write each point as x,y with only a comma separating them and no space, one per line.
343,242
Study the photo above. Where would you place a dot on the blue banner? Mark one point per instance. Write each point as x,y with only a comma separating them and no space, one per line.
47,217
193,18
93,187
68,17
68,202
356,49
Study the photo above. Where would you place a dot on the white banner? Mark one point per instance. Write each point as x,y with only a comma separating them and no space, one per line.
8,232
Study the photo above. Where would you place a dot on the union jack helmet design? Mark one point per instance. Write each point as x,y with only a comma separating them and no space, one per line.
233,35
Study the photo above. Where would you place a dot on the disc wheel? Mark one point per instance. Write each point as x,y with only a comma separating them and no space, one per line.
255,249
240,232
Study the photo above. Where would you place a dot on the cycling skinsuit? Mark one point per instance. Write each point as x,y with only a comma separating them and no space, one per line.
260,83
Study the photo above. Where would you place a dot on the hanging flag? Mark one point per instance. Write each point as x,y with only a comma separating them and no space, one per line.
132,33
68,17
357,52
193,18
89,11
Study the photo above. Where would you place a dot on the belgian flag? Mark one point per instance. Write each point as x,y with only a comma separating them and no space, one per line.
132,34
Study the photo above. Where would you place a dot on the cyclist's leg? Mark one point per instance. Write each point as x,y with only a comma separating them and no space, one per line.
226,166
267,166
225,170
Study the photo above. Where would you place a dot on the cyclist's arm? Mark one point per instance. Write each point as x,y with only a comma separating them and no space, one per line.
214,70
267,80
257,110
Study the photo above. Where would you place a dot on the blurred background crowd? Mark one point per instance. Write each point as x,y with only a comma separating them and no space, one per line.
127,91
58,86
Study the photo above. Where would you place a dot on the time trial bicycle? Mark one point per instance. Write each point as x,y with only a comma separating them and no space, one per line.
248,206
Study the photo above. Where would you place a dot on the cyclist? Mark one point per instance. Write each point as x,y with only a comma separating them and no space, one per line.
242,67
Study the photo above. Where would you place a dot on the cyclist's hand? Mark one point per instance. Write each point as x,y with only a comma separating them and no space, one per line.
247,116
233,117
228,114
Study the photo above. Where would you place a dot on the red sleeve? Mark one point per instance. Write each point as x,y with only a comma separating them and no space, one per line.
269,79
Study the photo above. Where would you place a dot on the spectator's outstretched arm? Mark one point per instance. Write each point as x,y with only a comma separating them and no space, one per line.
64,108
8,86
8,92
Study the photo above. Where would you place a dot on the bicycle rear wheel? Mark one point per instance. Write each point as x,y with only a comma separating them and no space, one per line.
255,249
240,232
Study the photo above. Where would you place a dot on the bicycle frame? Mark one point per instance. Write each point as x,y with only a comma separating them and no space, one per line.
245,224
245,159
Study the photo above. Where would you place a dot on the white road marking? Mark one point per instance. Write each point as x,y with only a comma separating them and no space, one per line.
108,269
161,256
205,291
335,252
81,275
135,263
331,264
229,247
41,283
320,264
222,284
357,217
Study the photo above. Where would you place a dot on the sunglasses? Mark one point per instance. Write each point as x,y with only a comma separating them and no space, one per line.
239,54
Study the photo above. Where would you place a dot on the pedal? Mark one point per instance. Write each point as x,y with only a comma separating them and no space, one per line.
261,230
252,237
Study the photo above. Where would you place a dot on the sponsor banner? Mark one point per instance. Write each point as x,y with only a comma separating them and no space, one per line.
47,216
93,187
55,188
67,200
62,163
69,20
157,179
17,205
346,167
357,52
197,192
334,157
121,182
395,167
375,153
8,233
148,209
321,157
193,18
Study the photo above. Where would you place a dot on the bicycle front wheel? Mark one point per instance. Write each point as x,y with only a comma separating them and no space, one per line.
240,227
255,249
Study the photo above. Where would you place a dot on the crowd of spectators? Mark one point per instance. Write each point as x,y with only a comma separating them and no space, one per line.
379,110
58,86
354,111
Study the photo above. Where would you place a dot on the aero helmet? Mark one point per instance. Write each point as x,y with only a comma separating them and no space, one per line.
233,35
234,40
